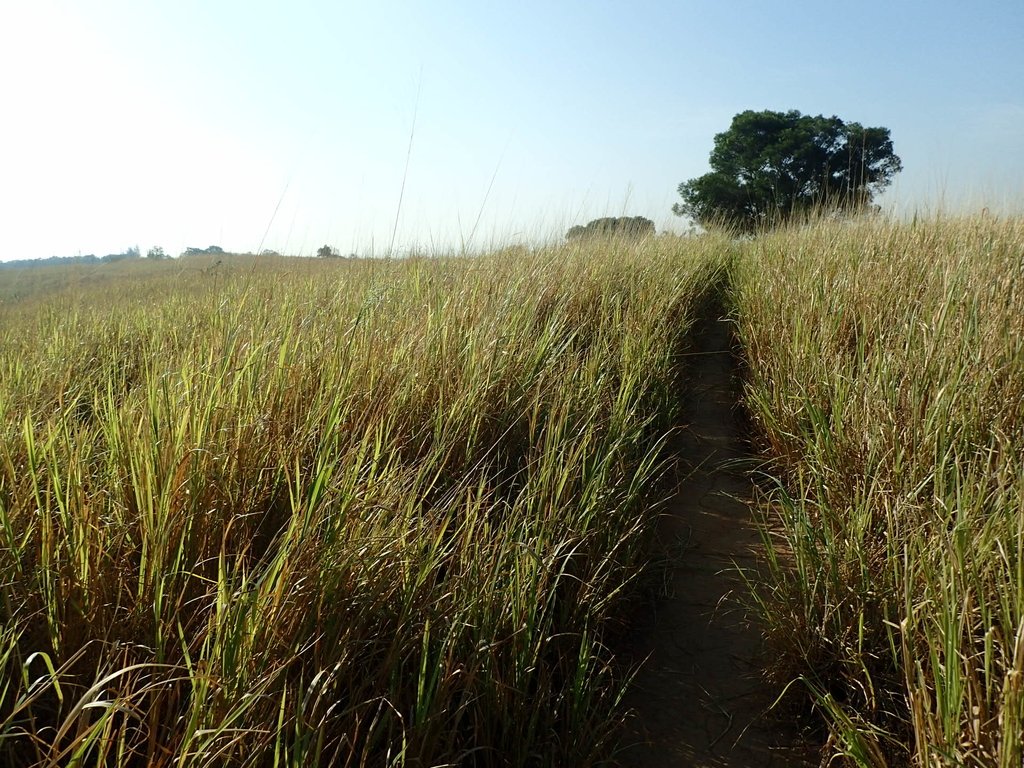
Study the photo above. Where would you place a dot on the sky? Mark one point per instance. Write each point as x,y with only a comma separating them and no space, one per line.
386,127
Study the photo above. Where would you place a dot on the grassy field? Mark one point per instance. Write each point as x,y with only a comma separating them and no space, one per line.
292,512
886,384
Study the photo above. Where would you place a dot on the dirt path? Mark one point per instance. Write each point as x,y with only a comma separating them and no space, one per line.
698,699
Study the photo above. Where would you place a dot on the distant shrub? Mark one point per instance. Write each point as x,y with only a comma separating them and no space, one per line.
130,253
213,249
628,226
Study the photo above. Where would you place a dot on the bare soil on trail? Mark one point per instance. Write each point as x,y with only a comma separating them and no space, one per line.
699,699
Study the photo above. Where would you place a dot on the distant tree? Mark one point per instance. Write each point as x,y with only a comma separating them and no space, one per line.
210,250
129,253
627,226
770,166
326,252
156,253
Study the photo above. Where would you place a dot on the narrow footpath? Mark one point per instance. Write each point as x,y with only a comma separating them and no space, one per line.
698,700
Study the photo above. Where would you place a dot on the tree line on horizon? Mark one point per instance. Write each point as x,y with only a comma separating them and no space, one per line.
156,253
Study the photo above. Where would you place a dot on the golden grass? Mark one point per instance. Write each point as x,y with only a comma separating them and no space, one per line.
886,381
348,513
287,512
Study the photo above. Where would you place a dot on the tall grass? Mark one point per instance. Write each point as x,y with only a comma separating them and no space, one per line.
360,513
886,382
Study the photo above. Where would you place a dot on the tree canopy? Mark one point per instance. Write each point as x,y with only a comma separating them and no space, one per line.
628,226
770,166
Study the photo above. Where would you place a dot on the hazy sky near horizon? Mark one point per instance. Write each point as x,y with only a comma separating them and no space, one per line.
287,125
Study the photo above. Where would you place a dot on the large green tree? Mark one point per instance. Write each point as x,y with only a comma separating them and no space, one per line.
770,166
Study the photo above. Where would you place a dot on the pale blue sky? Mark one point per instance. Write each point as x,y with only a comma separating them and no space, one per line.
127,122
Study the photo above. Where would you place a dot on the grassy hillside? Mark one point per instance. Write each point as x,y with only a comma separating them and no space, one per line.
366,513
886,383
296,512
